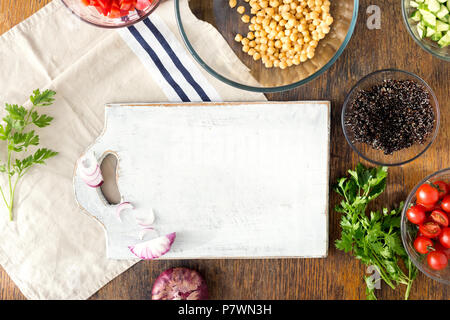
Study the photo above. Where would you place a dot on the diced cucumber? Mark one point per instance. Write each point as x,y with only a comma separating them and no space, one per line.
421,31
430,32
416,16
445,40
433,5
436,36
428,18
442,13
442,26
433,20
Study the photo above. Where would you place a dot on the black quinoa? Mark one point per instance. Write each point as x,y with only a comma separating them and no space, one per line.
391,116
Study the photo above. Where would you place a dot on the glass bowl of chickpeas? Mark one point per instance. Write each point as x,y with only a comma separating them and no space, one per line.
276,44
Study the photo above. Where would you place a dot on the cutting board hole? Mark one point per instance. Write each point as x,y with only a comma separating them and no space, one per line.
109,187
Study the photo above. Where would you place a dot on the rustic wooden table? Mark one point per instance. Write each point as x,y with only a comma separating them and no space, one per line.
339,276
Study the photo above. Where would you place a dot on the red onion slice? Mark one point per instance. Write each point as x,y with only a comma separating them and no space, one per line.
146,220
154,248
180,284
90,171
122,206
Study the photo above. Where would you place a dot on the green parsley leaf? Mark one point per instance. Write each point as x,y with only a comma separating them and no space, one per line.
16,120
373,239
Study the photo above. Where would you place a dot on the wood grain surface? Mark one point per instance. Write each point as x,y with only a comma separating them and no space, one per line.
339,276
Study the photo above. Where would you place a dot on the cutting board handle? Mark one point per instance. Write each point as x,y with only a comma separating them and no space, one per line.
92,199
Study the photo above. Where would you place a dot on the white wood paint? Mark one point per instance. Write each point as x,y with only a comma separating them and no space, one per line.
233,180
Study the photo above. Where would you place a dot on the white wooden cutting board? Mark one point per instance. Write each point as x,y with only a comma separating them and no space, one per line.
232,180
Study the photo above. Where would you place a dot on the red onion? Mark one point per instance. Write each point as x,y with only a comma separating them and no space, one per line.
154,248
180,284
123,206
90,171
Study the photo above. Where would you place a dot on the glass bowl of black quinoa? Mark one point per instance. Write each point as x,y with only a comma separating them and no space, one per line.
390,117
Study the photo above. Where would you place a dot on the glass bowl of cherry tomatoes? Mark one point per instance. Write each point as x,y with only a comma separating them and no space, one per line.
425,226
111,13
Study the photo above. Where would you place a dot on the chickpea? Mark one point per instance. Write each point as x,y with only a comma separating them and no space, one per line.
283,33
274,3
256,56
270,12
246,19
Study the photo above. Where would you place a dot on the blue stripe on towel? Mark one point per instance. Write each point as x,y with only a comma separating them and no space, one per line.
158,64
176,61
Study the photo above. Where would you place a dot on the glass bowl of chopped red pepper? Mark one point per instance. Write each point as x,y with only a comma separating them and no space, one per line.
111,13
390,117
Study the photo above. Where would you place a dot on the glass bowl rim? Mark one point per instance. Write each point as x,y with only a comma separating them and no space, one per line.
112,26
418,41
404,221
346,102
266,89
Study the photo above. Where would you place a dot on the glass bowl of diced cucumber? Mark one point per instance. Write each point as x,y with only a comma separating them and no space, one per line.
428,22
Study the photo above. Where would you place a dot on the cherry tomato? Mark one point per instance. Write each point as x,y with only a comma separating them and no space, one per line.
427,194
428,207
423,244
445,203
439,247
442,188
416,214
437,260
430,229
444,237
439,217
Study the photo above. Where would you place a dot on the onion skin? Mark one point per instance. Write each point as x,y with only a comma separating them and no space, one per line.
180,284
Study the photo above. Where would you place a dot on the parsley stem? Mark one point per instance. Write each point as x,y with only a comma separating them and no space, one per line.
3,196
11,196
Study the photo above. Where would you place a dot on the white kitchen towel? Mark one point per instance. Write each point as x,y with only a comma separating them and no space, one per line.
53,250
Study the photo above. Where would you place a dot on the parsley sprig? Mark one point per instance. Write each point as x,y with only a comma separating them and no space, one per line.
18,140
375,238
